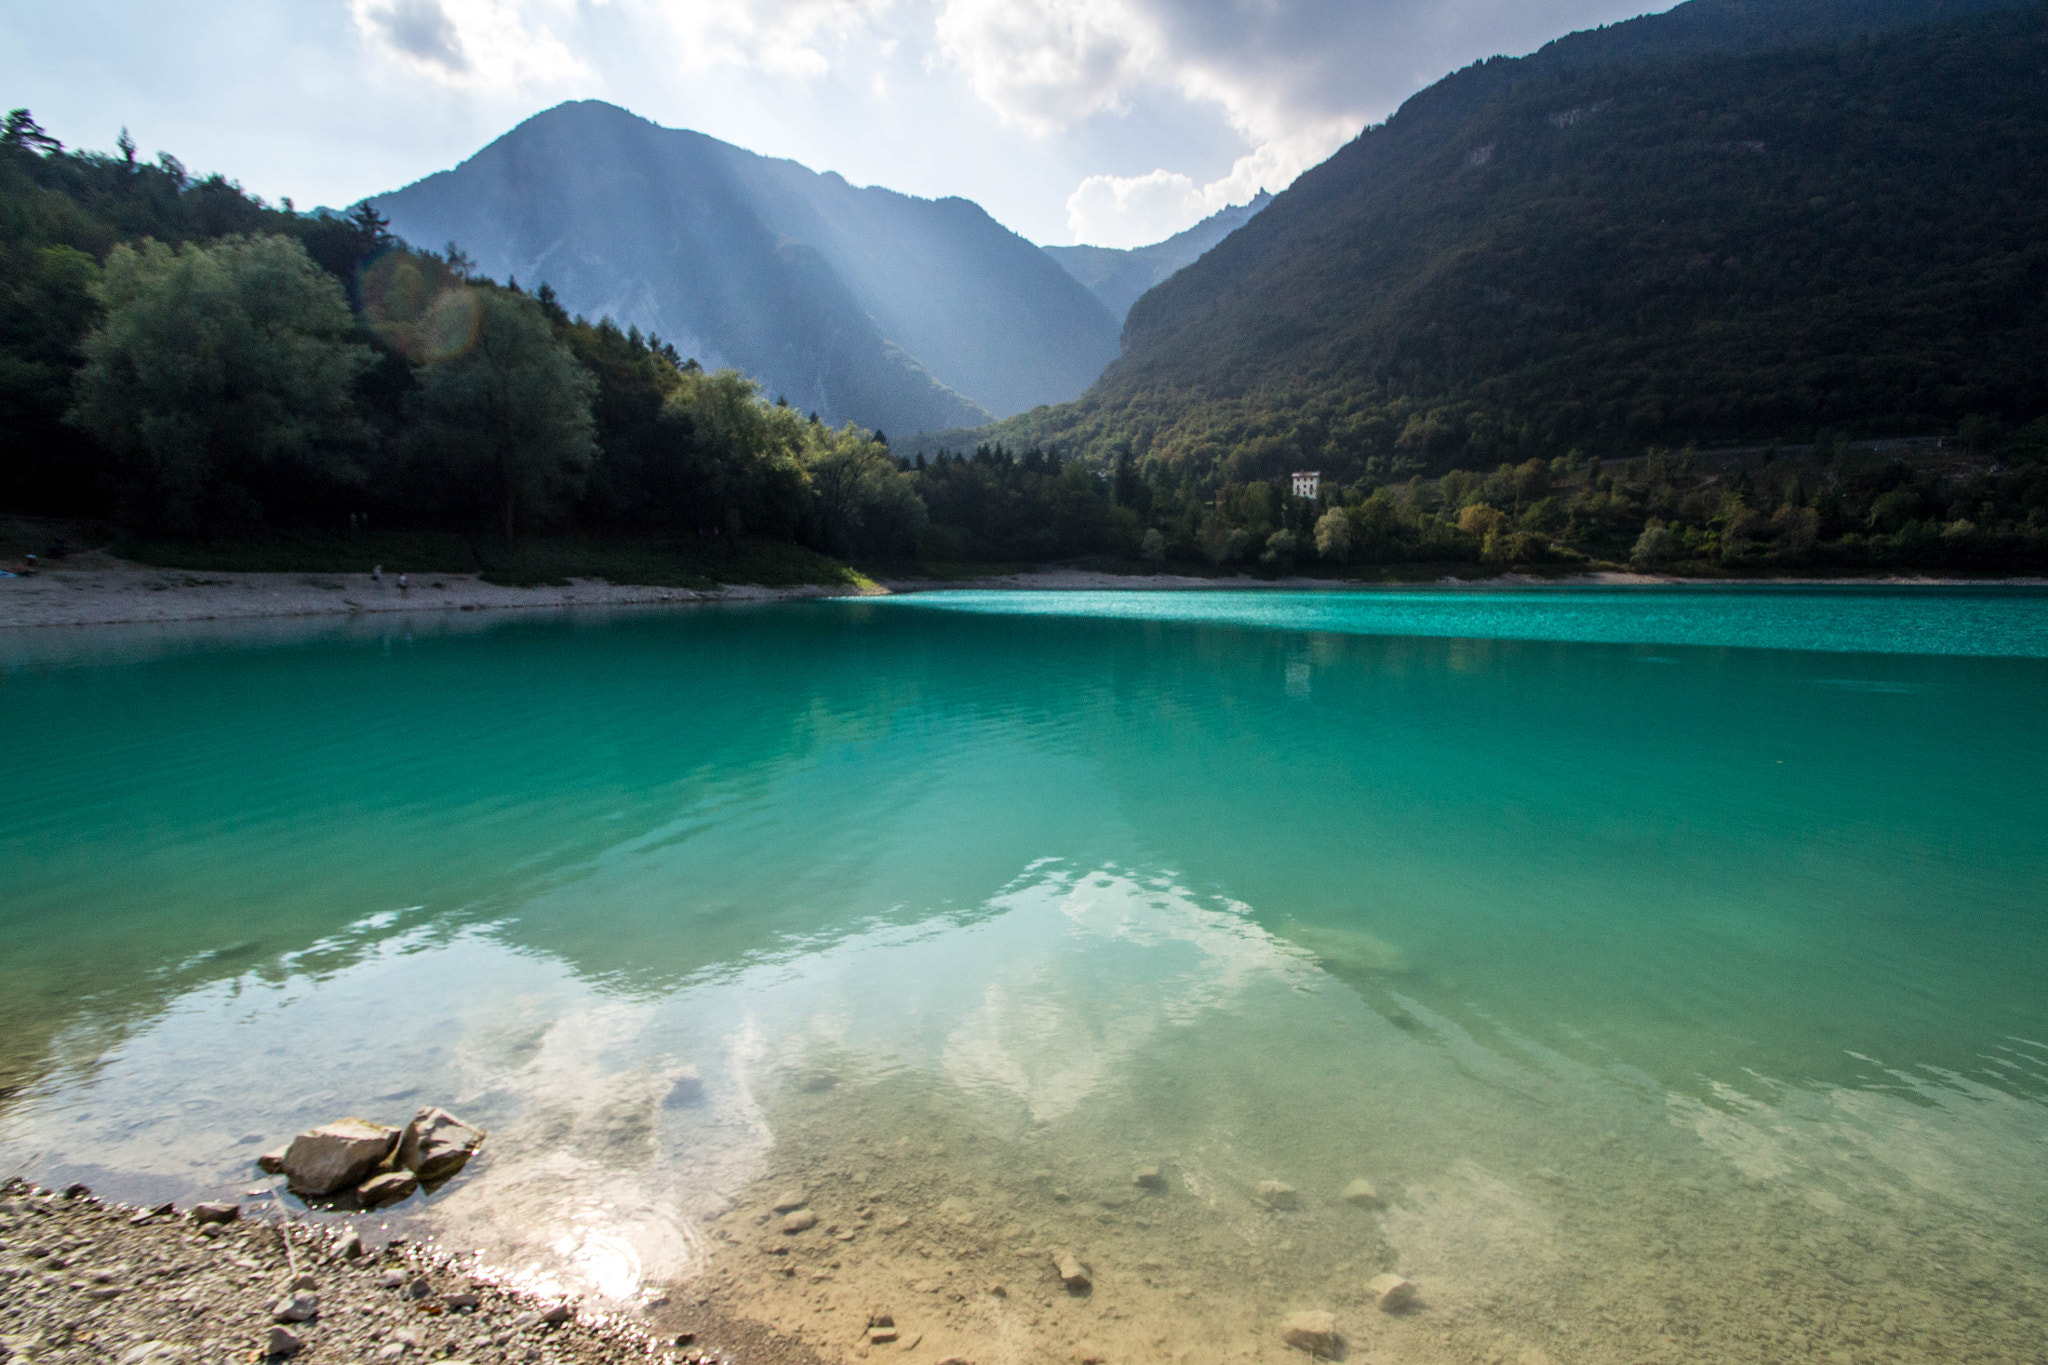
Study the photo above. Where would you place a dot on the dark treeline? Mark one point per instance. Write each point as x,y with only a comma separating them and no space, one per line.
195,365
1831,505
189,361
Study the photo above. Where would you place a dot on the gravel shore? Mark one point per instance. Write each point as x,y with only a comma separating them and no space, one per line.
84,1281
97,589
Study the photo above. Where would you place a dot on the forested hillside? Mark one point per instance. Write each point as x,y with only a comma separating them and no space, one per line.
1709,249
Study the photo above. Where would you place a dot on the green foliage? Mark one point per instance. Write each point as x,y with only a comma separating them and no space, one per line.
507,406
997,506
304,551
1734,249
536,559
862,504
735,460
220,375
660,563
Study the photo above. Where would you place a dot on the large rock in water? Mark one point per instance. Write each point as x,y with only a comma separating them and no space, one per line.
337,1156
436,1144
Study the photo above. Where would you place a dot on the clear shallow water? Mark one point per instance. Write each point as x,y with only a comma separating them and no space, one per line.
1681,990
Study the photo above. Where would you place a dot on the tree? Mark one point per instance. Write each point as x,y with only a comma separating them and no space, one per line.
1333,535
862,502
1219,541
21,130
729,461
1656,545
218,373
512,401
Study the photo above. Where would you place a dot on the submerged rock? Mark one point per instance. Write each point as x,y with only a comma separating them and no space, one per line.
337,1156
687,1088
1072,1273
1149,1178
789,1200
1362,1193
1276,1194
801,1220
436,1144
1314,1331
1392,1292
272,1161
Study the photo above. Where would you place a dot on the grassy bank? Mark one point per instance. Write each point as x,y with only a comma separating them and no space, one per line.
530,563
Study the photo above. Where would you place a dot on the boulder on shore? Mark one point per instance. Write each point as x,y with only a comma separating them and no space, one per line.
388,1188
337,1156
436,1144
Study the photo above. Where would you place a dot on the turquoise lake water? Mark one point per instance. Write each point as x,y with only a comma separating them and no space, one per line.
1674,963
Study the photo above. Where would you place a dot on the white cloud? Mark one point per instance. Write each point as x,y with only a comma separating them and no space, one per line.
1048,64
1127,211
1134,210
1043,64
780,37
486,46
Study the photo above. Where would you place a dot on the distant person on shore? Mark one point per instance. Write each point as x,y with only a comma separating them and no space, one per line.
377,574
404,582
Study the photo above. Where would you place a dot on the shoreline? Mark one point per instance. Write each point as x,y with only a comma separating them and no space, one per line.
113,592
98,590
83,1279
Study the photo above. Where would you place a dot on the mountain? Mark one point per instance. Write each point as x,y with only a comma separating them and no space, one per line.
1668,231
859,303
1118,276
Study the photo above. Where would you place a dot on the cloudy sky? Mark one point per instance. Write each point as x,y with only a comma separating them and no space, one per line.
1107,121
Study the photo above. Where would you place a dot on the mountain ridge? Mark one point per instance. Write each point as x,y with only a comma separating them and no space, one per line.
861,303
1119,276
1748,244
